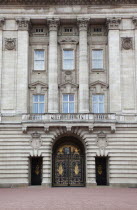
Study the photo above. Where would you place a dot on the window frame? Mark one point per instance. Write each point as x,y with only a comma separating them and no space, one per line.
98,104
93,68
38,60
68,102
38,103
68,49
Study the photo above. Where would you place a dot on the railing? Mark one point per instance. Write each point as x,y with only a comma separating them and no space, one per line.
68,117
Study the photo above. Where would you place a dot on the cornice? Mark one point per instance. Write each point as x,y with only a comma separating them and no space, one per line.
66,2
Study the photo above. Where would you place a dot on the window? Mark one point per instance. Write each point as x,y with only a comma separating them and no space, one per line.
68,30
39,59
39,30
68,59
38,104
98,103
68,103
97,29
97,59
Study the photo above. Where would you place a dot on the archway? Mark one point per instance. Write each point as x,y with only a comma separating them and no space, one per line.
68,163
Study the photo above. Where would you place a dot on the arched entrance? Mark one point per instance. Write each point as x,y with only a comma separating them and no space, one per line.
68,162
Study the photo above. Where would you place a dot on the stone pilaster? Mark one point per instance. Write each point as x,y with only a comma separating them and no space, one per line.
135,25
2,21
22,71
83,67
114,64
53,67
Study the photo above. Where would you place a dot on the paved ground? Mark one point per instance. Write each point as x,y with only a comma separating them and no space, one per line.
101,198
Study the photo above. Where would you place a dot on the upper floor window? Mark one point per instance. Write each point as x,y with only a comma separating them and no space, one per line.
68,103
39,30
38,104
68,59
98,103
97,59
68,29
39,61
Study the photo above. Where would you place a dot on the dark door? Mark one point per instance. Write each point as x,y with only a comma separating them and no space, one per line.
36,171
68,167
101,171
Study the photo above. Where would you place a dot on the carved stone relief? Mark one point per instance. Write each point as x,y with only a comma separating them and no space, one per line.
113,23
98,87
127,43
68,87
53,24
83,23
35,142
38,87
23,24
10,44
102,143
68,40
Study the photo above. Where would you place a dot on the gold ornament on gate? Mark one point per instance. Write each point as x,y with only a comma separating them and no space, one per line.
60,170
76,170
100,169
37,170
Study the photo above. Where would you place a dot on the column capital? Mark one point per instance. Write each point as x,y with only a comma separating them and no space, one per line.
2,21
134,20
113,23
53,23
83,23
23,24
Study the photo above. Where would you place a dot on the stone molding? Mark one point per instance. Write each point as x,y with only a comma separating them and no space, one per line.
83,23
113,23
38,87
66,2
23,24
10,44
2,21
68,40
134,20
127,43
53,24
98,86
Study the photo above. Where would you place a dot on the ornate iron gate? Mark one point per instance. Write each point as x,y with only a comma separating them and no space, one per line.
68,169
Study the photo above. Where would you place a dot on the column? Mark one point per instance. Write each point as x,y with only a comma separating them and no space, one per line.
22,65
2,21
83,67
53,97
114,64
135,24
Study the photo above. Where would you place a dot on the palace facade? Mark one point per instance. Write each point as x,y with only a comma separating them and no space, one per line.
68,93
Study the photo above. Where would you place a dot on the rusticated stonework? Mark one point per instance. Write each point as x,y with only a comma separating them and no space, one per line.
66,2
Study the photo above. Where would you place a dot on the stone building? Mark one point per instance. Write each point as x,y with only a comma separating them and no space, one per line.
68,92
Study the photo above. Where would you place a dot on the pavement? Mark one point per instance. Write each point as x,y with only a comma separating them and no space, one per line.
96,198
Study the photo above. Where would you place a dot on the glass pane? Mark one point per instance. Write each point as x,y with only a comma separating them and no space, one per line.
68,64
35,98
35,108
71,108
65,107
39,65
97,64
41,98
41,108
97,54
95,108
101,108
101,98
68,54
95,98
39,54
71,97
65,97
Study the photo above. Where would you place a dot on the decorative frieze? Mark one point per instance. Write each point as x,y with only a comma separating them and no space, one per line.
127,43
10,44
2,21
23,24
83,23
113,23
66,2
53,24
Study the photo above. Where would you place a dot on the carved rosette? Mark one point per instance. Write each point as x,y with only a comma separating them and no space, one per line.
53,24
83,24
102,143
2,21
10,44
127,43
113,23
23,24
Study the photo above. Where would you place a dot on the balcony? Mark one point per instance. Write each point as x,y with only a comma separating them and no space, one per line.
75,117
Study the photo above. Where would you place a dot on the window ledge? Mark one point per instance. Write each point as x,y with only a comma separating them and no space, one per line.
98,70
68,70
38,71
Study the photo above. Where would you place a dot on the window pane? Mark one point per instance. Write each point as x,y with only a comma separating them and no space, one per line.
39,65
41,98
65,97
68,64
65,107
97,59
68,54
101,108
95,108
41,108
39,54
95,98
35,98
97,54
101,98
35,108
71,107
71,97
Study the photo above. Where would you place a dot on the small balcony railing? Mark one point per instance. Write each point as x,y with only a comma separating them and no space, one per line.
75,117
